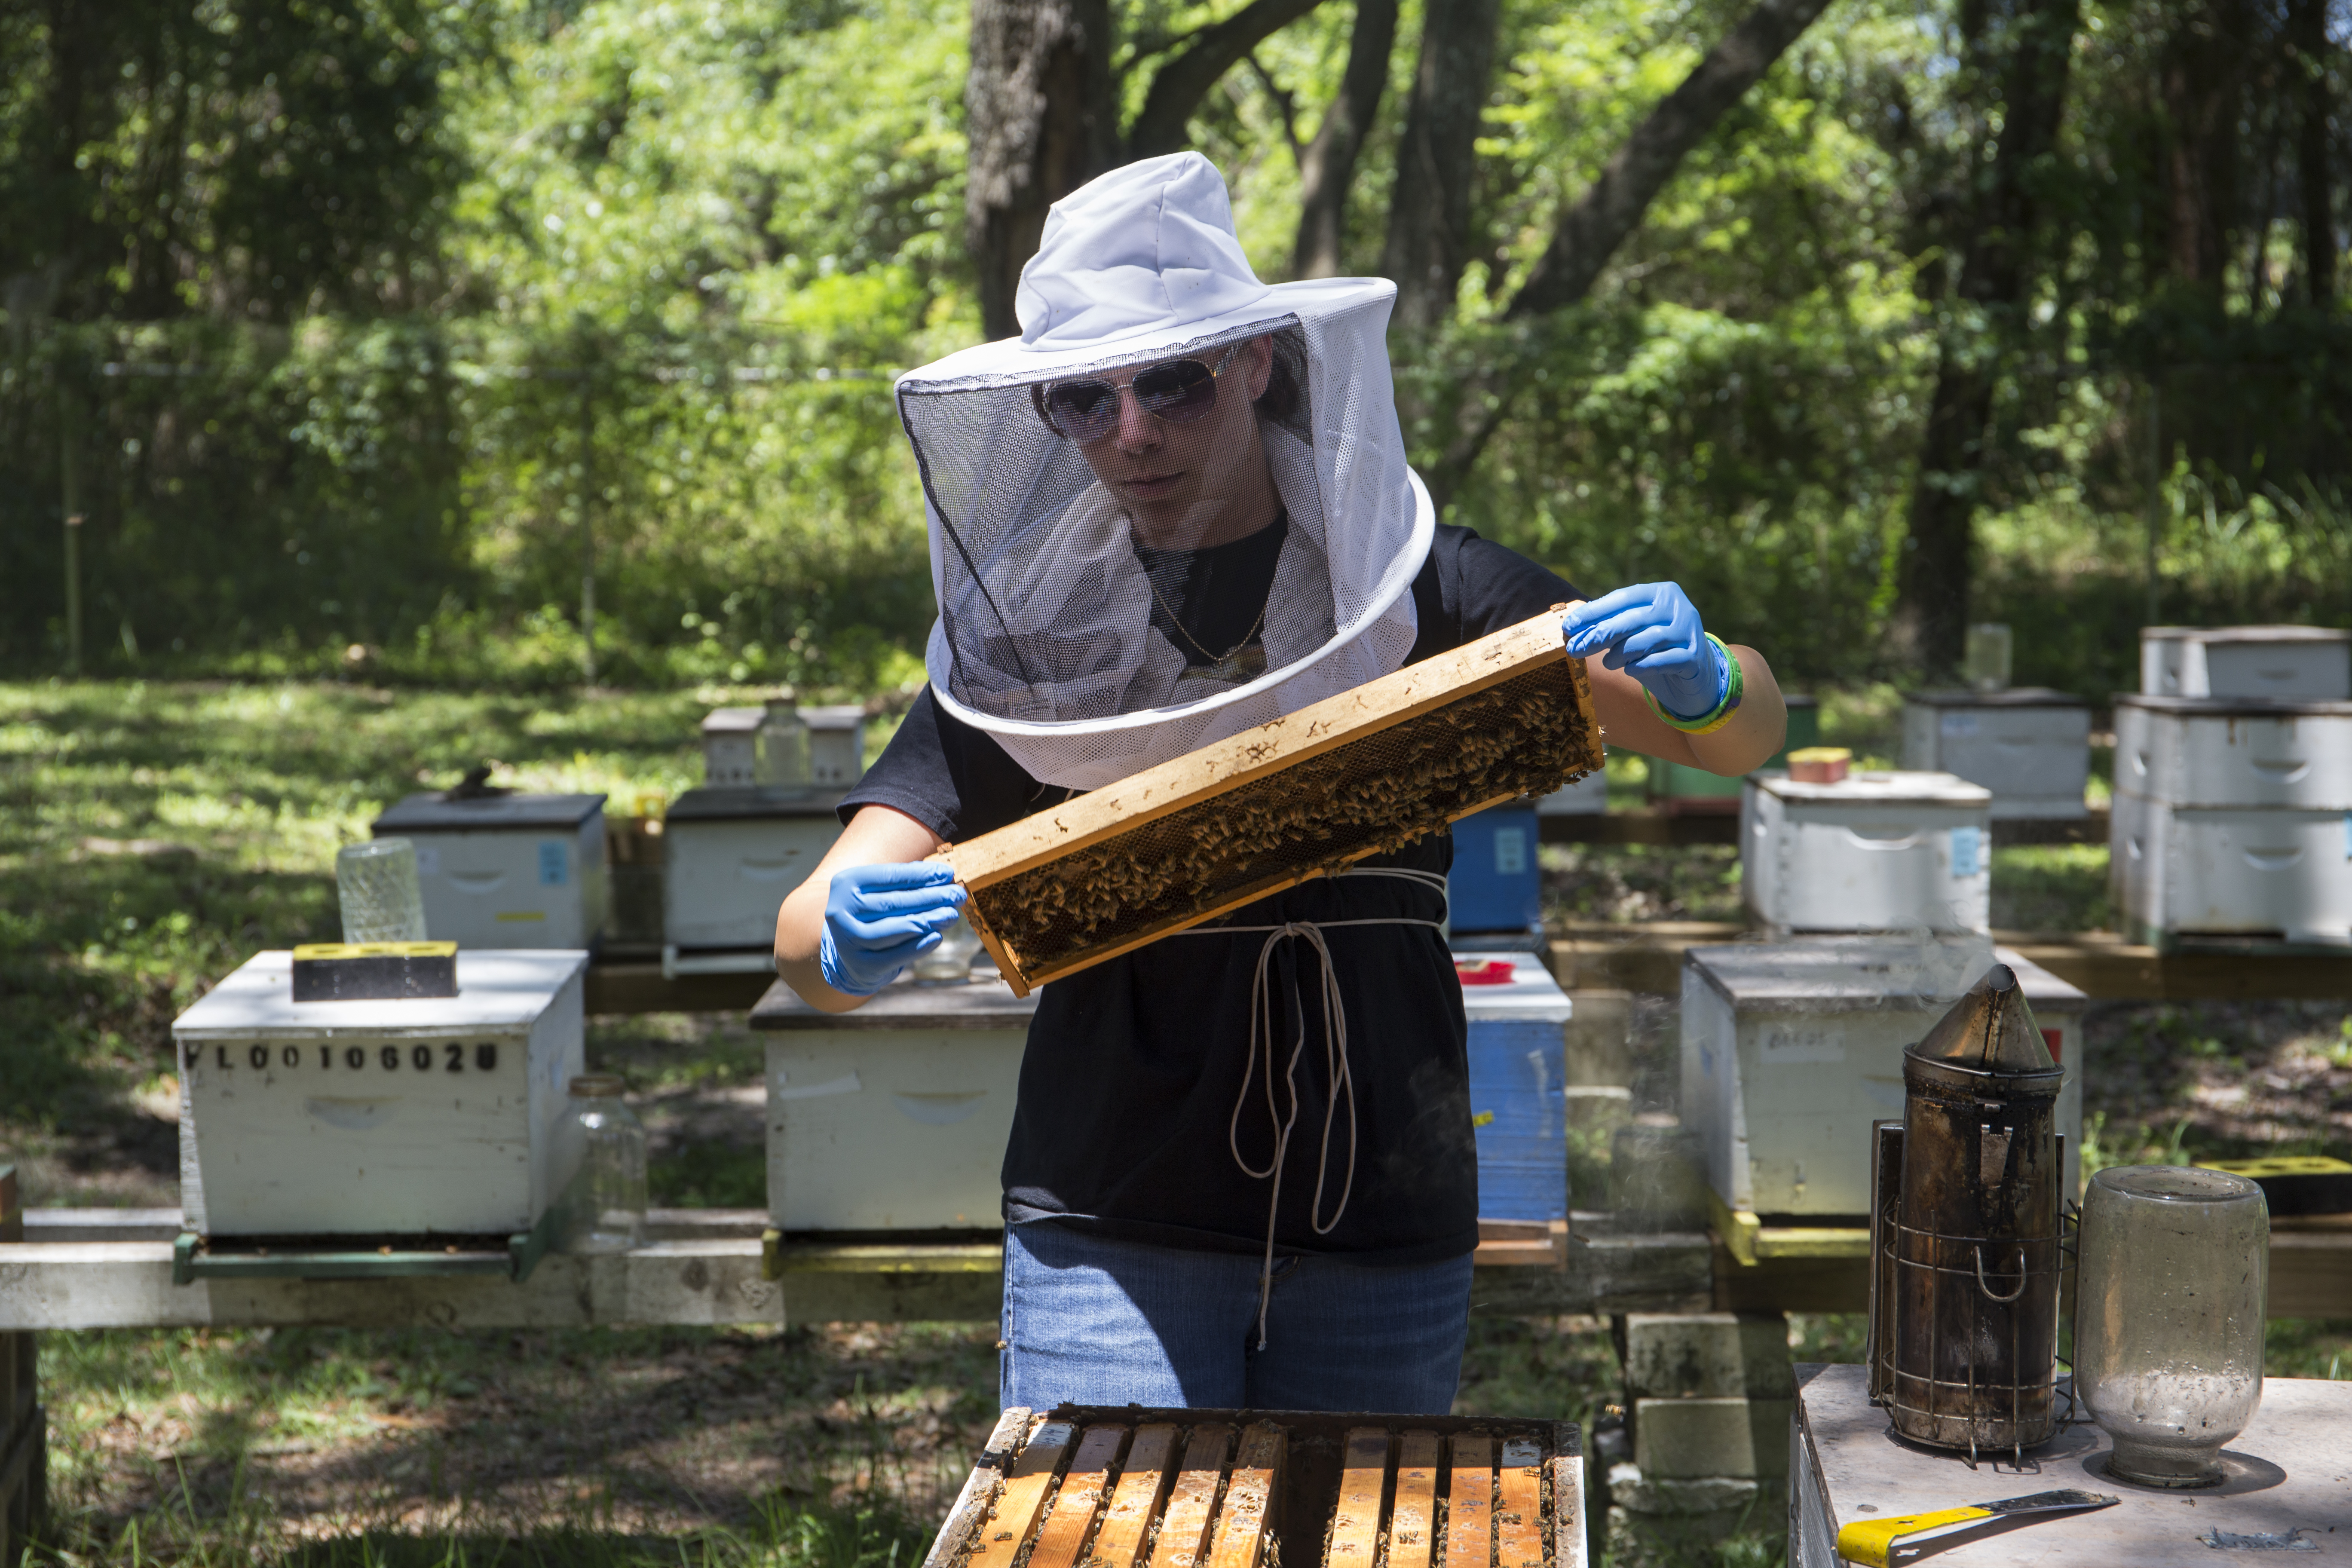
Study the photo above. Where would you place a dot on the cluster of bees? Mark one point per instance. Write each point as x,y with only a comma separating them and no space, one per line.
1524,735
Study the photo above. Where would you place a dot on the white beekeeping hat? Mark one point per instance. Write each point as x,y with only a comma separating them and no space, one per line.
1044,637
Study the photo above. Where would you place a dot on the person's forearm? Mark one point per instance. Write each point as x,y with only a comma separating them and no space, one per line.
799,925
1756,730
876,836
1741,746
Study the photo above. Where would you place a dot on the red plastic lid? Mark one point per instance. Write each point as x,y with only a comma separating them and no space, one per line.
1483,971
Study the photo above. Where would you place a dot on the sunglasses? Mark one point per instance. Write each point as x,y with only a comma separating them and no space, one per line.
1178,390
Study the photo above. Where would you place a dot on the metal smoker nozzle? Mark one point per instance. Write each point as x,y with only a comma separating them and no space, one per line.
1989,1029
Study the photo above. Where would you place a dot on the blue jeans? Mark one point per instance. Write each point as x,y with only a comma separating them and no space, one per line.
1092,1321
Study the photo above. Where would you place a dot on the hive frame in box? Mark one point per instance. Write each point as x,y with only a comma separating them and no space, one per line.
1326,1495
1168,815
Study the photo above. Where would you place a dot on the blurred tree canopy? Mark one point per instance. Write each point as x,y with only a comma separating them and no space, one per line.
360,334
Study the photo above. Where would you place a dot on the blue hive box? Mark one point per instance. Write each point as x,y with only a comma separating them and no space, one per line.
1495,885
1518,1098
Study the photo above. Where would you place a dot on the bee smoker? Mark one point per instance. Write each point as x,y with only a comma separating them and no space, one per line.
1965,1214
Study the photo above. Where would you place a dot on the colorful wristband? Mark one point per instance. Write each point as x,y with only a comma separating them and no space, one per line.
1734,686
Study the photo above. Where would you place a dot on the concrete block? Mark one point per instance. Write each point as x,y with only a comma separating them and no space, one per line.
1707,1355
1654,1524
1657,1178
1600,1038
1688,1440
1637,1492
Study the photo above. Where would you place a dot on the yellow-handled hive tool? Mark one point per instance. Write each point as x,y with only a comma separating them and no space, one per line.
1871,1541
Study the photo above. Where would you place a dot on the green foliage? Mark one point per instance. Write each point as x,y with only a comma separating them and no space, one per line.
371,327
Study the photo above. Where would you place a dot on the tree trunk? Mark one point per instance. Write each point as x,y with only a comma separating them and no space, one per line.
2307,33
1161,125
1041,120
2037,38
1589,229
1429,207
2203,81
1327,165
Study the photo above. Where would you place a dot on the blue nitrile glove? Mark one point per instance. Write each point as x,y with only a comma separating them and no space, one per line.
879,918
1653,629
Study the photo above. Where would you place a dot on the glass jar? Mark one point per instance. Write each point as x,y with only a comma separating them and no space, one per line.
375,884
1984,658
603,1144
950,961
781,761
2175,1273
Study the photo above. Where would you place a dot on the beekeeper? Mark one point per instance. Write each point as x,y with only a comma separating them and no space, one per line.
1176,506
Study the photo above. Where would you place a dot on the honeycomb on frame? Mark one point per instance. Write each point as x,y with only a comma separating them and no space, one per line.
1358,774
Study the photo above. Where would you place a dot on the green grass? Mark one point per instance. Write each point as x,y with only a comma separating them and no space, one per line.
157,835
2051,887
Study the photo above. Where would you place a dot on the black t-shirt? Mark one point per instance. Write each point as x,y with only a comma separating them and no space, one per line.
1134,1067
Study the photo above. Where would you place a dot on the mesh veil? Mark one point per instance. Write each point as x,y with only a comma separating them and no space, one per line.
1045,636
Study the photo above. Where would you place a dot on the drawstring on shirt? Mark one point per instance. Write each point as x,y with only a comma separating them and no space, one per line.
1335,1064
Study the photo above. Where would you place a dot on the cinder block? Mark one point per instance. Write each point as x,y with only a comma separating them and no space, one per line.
1598,1110
1600,1038
1690,1440
1657,1178
1707,1355
1655,1523
1637,1492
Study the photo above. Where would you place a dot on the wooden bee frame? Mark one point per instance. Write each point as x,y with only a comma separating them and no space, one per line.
1353,775
1127,1487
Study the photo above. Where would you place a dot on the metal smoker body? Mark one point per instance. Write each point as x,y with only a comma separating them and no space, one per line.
1966,1207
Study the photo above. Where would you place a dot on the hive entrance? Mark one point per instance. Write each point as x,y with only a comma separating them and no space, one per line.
1355,775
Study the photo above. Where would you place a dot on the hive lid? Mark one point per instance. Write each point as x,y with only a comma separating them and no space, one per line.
738,802
732,721
1991,1030
1880,787
1867,974
498,988
2008,697
2242,633
432,814
1532,996
2236,707
833,716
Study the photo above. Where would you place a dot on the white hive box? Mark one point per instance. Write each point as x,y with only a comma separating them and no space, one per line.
513,870
731,856
730,747
2291,664
1588,797
2269,874
2030,746
893,1117
428,1116
2191,753
1876,851
1790,1051
896,1116
837,745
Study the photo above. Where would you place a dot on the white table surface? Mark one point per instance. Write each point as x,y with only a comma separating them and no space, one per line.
2290,1470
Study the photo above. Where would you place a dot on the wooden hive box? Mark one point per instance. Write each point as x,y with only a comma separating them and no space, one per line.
1356,775
1127,1487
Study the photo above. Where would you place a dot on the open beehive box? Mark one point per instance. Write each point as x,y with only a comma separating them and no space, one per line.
1125,1487
1356,775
